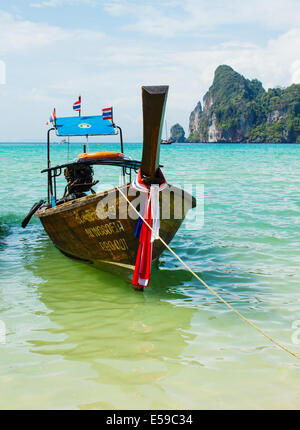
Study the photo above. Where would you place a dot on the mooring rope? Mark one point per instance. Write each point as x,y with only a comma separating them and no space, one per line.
208,287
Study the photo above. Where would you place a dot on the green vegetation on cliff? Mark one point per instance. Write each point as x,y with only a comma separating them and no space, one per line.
236,109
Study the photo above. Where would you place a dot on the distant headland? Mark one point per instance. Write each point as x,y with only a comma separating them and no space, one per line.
239,110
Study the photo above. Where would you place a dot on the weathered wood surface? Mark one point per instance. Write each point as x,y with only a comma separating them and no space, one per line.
76,229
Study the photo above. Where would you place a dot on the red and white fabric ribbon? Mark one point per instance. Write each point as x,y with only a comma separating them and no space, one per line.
141,275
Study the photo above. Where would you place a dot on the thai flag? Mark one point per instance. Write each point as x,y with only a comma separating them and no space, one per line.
107,113
52,117
77,105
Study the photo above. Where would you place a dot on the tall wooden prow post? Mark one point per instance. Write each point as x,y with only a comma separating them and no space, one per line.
154,102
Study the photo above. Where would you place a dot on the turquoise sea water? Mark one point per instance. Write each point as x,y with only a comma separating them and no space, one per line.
77,337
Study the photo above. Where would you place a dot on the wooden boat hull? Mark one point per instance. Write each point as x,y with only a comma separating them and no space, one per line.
100,228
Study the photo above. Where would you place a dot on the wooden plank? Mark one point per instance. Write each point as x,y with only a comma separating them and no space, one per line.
154,101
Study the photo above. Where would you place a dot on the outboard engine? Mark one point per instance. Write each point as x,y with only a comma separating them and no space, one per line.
80,180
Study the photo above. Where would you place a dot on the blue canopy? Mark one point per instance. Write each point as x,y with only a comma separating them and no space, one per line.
83,126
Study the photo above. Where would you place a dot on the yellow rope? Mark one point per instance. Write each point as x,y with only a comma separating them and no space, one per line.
209,288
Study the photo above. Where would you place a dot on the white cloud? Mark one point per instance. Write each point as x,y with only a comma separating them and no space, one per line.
49,66
117,8
295,70
270,13
57,3
170,19
19,36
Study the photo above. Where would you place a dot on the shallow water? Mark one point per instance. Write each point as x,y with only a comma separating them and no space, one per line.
77,337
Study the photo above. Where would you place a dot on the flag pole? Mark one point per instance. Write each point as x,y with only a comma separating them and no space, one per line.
79,112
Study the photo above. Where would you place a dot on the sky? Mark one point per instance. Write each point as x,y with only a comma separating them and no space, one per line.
53,50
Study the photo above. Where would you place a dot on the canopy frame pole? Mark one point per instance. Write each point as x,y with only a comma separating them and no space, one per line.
122,150
121,138
50,188
50,176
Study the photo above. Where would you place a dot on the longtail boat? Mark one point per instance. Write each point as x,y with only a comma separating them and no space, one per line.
102,228
167,142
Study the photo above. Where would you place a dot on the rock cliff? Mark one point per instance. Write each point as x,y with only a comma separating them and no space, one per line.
236,109
177,133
